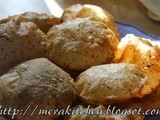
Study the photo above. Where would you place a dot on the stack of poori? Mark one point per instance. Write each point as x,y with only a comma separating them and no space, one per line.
37,51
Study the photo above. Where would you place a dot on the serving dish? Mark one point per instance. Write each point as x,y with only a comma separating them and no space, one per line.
130,29
124,29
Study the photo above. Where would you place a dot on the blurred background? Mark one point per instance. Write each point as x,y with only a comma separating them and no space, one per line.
126,11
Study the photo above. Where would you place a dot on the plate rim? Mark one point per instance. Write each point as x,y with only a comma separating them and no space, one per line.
156,38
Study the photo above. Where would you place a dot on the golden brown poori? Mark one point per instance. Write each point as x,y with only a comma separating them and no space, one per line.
94,12
110,83
145,54
20,41
148,102
42,20
81,43
39,83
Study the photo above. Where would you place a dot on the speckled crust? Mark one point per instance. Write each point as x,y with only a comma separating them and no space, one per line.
71,12
43,21
94,12
144,53
36,82
81,43
19,41
111,83
148,102
96,116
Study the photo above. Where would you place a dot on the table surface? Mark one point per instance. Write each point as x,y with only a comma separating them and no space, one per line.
126,11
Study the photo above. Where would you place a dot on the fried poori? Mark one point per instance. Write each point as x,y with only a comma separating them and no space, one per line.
42,20
20,41
39,83
81,43
110,83
145,54
148,102
92,11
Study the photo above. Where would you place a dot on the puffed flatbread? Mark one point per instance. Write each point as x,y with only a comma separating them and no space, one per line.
81,43
145,54
37,82
92,11
110,83
148,102
20,41
42,20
